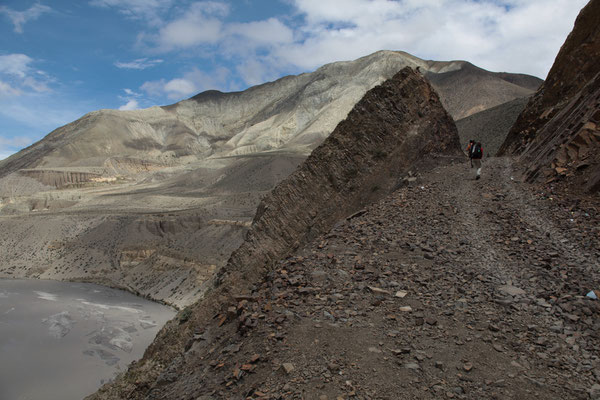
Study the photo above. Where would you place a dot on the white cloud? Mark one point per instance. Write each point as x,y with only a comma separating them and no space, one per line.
514,35
130,92
139,64
15,64
267,32
17,77
130,105
493,34
199,25
191,83
8,90
20,18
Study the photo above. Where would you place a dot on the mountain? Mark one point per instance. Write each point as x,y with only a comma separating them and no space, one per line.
292,114
394,128
558,133
120,197
348,286
491,126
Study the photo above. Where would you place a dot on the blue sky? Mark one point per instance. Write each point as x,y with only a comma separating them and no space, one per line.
61,59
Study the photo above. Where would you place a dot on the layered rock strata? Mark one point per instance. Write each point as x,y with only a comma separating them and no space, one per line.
393,126
558,131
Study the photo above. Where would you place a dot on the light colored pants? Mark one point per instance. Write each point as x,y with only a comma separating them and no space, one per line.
477,164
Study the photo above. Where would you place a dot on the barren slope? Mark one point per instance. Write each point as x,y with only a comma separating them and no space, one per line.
491,126
174,188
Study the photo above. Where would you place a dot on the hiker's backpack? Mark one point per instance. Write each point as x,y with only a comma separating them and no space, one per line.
476,151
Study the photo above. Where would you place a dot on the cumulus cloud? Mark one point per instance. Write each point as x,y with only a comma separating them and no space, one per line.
268,32
20,18
130,105
198,25
15,64
139,64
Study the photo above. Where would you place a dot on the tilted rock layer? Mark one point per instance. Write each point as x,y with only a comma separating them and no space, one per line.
394,126
559,130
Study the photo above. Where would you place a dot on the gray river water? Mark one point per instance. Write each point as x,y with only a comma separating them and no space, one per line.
62,340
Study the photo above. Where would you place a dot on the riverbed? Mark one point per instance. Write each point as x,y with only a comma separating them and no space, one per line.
63,340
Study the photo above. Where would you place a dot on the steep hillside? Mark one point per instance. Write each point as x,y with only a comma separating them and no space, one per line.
558,133
490,127
368,153
470,89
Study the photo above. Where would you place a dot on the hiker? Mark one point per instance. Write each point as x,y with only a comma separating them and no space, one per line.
475,152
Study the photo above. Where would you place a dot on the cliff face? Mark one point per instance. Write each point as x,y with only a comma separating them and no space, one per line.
392,127
559,132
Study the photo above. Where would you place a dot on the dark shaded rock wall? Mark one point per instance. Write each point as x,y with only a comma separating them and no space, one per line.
577,63
392,127
558,133
569,144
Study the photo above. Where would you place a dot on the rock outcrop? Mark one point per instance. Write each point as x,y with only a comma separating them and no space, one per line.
558,133
392,127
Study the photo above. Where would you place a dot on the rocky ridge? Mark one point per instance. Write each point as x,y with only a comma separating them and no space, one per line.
385,134
388,130
558,133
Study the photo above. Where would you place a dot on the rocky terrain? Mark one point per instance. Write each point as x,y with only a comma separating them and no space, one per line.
154,201
558,134
448,287
392,127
